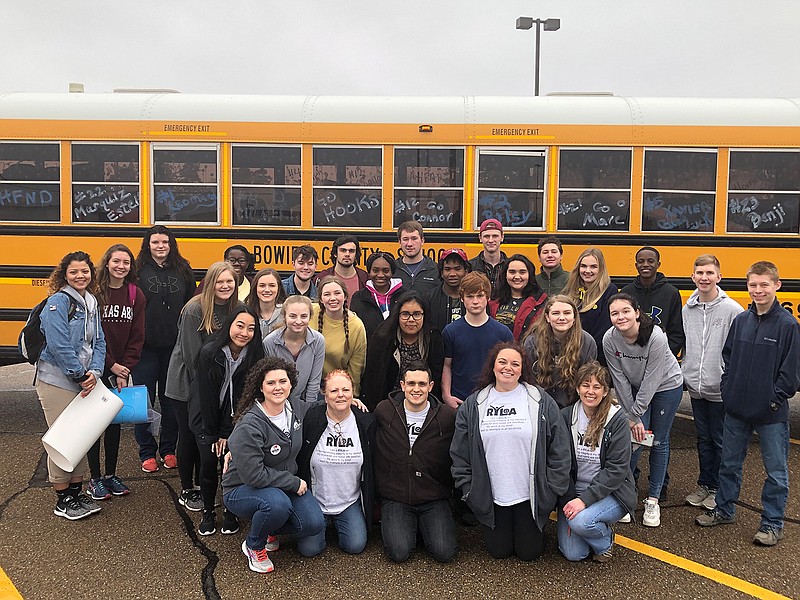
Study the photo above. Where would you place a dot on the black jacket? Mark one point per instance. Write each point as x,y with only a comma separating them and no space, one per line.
419,474
761,357
314,425
662,301
364,305
425,278
382,367
207,419
439,303
166,290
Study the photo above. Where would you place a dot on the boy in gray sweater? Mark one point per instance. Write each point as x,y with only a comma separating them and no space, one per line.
707,318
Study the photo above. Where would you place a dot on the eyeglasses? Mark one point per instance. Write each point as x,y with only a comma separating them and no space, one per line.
237,261
416,315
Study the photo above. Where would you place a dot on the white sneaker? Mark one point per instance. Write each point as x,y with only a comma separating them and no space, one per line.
652,513
258,559
625,519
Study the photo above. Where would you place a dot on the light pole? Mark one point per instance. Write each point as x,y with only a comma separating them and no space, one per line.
549,25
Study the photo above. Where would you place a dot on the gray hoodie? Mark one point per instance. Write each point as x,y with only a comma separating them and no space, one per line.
706,325
640,372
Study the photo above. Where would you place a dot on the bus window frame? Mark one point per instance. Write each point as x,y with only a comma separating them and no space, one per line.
72,182
200,146
315,187
543,151
713,194
629,189
57,182
299,187
462,188
729,191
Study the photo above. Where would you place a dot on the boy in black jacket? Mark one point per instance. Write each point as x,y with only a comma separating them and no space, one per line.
761,360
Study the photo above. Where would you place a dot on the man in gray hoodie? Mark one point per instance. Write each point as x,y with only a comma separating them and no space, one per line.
707,318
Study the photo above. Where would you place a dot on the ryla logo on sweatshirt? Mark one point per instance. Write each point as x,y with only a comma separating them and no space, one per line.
500,411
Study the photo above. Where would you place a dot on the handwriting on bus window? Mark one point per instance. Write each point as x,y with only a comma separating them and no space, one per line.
32,198
110,202
500,207
325,175
362,175
583,210
679,215
428,176
749,207
432,211
270,206
334,207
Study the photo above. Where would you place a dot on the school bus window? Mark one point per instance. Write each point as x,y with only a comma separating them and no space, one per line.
29,182
679,190
105,183
185,186
764,191
511,187
347,187
429,187
594,189
266,185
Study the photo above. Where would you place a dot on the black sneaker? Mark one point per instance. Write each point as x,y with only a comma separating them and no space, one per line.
208,524
88,503
230,523
69,508
191,500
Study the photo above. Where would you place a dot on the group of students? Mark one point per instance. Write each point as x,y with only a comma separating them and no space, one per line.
473,384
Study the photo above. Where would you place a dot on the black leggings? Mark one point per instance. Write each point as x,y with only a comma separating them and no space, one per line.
187,452
209,474
111,445
515,532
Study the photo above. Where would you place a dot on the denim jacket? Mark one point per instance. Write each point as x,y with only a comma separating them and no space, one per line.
65,337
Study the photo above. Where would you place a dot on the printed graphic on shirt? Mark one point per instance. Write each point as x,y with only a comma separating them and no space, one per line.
508,312
585,453
655,314
155,285
114,313
500,417
414,423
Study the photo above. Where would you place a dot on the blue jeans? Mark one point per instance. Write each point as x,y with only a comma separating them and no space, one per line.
272,511
400,522
152,370
658,418
590,529
773,438
351,527
708,419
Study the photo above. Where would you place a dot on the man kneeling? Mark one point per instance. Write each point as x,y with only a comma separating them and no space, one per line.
412,468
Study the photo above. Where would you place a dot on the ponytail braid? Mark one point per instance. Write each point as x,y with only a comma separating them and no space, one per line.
321,318
346,327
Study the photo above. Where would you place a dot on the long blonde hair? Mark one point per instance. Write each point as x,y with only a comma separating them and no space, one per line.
554,367
586,297
206,297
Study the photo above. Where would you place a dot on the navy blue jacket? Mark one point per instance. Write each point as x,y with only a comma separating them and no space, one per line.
761,357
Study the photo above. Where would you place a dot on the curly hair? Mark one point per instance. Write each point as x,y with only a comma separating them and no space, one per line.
345,312
557,361
597,423
58,277
487,376
104,277
255,379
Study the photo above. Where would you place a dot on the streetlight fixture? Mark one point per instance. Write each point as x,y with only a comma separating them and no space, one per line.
549,25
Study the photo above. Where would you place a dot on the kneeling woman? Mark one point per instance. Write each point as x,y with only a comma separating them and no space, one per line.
510,455
336,461
601,483
261,483
222,366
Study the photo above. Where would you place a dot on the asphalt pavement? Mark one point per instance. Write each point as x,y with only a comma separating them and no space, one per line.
145,545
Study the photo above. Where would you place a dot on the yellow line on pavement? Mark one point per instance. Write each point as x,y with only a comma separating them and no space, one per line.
7,589
699,569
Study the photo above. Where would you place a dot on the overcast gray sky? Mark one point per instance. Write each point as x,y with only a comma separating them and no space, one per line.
409,47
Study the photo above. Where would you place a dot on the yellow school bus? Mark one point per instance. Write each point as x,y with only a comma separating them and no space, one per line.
688,176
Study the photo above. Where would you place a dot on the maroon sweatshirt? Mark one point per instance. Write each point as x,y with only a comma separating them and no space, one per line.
123,326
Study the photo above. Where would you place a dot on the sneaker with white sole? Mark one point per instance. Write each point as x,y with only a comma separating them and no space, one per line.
697,497
626,518
97,489
712,518
273,543
191,500
258,559
230,523
88,503
710,503
116,487
208,523
767,536
652,513
69,508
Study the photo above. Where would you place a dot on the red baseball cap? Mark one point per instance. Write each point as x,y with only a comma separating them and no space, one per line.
491,224
457,251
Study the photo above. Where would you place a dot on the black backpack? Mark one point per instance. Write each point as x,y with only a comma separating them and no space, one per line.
31,340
